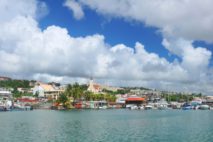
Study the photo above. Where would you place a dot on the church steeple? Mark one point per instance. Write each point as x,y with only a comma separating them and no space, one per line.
91,82
93,87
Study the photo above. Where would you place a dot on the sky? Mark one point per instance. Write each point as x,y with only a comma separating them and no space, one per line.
159,44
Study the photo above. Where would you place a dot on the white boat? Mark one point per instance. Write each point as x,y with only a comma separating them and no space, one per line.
5,105
18,106
147,107
204,107
162,107
141,107
133,107
162,104
102,107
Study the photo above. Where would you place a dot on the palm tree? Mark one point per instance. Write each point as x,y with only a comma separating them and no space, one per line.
63,99
74,91
88,95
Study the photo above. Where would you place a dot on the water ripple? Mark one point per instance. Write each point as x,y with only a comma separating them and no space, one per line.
106,126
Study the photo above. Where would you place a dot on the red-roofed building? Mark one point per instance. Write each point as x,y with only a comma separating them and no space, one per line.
135,100
27,100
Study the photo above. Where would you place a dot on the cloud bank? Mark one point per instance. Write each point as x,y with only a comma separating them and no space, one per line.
189,19
53,54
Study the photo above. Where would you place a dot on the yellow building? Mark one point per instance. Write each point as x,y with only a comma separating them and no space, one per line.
47,90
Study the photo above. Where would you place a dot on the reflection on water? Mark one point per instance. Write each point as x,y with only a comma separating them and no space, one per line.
106,125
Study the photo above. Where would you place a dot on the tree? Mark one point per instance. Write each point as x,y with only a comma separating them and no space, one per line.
87,95
74,91
110,98
15,84
63,99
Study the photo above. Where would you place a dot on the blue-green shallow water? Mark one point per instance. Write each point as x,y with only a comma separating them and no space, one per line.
106,126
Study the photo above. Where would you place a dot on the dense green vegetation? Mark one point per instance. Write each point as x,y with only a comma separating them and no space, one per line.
180,97
19,94
64,99
119,91
80,93
15,84
75,91
134,88
89,96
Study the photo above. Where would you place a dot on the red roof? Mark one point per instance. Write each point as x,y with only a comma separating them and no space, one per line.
96,86
25,100
135,99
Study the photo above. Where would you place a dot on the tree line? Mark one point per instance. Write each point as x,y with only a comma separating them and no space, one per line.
180,97
79,93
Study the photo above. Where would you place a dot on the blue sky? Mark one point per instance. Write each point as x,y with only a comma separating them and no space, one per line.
115,30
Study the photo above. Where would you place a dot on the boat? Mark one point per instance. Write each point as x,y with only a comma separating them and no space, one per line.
102,107
5,105
141,107
134,107
148,107
187,106
18,106
162,104
162,107
2,108
204,107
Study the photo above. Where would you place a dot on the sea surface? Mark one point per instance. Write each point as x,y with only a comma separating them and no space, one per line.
107,126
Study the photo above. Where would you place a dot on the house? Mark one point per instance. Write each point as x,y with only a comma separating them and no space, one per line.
208,100
110,88
134,100
5,93
47,91
93,87
121,99
4,78
25,90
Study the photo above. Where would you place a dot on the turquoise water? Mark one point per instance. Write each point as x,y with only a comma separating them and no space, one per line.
106,126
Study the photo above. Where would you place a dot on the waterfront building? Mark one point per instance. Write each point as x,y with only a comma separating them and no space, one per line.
196,101
5,93
134,102
208,100
26,100
47,91
121,99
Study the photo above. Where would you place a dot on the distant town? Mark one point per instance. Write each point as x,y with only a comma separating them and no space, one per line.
32,94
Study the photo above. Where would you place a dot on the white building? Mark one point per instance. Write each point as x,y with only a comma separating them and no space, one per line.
47,90
5,93
93,87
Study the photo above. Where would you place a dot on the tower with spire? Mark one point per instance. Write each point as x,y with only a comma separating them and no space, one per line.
93,87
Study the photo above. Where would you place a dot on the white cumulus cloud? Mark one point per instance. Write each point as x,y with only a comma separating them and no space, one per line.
51,54
189,19
75,8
